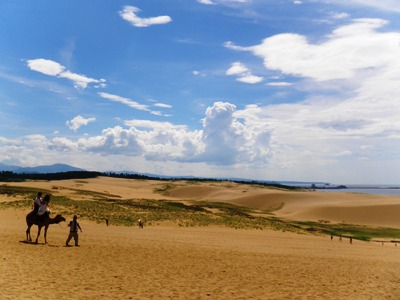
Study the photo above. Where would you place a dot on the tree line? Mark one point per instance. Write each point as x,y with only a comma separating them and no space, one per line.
9,176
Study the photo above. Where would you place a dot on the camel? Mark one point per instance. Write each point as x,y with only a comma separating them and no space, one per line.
41,221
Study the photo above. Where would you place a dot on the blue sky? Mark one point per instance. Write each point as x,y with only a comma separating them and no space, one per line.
262,89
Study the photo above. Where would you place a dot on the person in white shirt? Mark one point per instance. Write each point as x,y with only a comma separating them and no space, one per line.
44,207
37,202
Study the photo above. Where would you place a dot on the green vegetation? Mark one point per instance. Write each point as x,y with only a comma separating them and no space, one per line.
358,232
125,212
165,189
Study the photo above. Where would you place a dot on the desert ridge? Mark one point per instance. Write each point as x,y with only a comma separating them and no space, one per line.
362,209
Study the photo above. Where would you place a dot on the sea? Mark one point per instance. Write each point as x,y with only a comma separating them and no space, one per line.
375,189
392,190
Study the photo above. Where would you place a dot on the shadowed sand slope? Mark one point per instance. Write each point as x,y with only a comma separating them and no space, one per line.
191,263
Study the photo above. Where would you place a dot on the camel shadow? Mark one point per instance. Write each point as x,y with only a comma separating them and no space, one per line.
38,244
31,243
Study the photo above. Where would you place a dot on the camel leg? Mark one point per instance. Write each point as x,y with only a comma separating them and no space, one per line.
28,233
45,234
38,234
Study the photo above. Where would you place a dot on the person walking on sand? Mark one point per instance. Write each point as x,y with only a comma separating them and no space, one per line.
73,231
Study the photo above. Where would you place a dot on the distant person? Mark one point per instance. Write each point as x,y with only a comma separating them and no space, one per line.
37,202
331,236
351,240
340,238
140,223
107,222
73,231
44,207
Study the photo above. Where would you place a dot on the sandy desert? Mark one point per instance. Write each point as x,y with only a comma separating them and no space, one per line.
166,261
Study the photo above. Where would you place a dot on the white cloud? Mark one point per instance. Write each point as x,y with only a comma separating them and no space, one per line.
279,84
152,124
162,105
206,2
223,2
388,5
236,1
345,53
80,81
344,153
339,16
243,73
52,68
309,138
79,121
249,78
129,13
313,137
232,46
45,66
221,134
198,73
224,140
125,101
237,68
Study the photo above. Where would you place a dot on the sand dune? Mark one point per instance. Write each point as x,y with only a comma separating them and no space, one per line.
170,262
363,209
191,263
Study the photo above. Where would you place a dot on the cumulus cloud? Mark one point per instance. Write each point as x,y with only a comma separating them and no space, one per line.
344,53
243,73
45,66
79,121
129,13
223,140
221,134
52,68
309,136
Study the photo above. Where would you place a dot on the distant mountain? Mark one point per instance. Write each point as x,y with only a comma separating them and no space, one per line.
4,167
56,168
